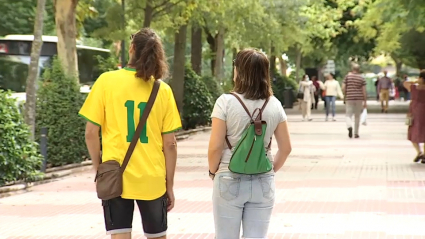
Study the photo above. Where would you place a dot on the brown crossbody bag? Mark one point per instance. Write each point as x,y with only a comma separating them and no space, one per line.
109,176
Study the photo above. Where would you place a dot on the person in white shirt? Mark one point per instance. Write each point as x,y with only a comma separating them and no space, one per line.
331,89
308,89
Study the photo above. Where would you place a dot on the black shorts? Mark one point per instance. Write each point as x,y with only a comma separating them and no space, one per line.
118,213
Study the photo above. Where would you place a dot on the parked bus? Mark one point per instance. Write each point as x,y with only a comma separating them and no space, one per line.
15,51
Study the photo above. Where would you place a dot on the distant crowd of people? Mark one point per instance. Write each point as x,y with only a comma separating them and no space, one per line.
355,97
353,91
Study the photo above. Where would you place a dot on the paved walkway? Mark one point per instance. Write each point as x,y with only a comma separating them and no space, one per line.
331,187
395,106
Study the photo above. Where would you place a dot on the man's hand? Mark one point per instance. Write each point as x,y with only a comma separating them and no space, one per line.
170,199
365,105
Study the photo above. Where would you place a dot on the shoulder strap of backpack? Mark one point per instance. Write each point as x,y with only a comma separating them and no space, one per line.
260,113
243,104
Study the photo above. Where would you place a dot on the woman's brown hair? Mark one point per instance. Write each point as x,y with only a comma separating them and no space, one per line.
149,57
252,75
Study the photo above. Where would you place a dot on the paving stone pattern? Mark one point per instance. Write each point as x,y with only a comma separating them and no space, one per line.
331,187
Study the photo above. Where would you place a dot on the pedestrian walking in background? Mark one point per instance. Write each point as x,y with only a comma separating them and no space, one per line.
316,85
385,86
354,86
376,88
416,117
332,89
246,198
406,92
115,105
307,88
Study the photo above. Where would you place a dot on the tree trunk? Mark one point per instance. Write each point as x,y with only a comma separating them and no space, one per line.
273,69
213,49
196,49
66,30
148,14
219,56
283,66
177,83
31,86
398,64
123,51
234,53
298,64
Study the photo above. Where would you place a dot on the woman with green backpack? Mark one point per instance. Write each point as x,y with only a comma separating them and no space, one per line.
240,160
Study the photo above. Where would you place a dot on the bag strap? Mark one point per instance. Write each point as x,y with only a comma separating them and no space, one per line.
243,105
259,116
141,124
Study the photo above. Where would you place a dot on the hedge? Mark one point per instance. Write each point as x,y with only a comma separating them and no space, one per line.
214,88
280,84
19,158
198,102
58,103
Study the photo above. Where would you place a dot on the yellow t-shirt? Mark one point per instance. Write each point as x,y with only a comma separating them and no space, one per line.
115,103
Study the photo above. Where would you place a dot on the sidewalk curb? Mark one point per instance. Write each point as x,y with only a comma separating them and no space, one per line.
47,178
53,174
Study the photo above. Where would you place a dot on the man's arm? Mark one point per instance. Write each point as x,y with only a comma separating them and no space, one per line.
364,96
170,153
93,143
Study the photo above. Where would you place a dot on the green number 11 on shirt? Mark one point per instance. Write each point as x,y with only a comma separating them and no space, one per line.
131,126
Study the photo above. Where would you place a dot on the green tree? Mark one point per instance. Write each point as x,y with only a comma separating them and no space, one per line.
17,17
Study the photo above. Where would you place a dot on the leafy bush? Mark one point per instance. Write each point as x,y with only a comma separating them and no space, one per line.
19,159
228,85
214,88
107,64
279,85
58,103
198,102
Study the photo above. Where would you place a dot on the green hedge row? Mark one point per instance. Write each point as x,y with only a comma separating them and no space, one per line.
19,157
198,100
58,103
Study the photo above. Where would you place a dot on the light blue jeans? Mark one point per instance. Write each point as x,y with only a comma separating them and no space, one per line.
242,199
330,102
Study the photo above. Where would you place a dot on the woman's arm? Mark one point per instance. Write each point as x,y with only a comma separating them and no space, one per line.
322,85
215,147
284,145
408,85
339,91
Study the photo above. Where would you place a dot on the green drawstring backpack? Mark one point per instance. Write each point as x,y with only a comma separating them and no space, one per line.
249,155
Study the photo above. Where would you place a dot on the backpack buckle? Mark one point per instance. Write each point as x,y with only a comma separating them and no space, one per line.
258,126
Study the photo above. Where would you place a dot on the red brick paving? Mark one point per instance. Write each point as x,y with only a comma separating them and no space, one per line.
331,187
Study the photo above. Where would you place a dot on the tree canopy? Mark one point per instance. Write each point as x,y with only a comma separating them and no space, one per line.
319,30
